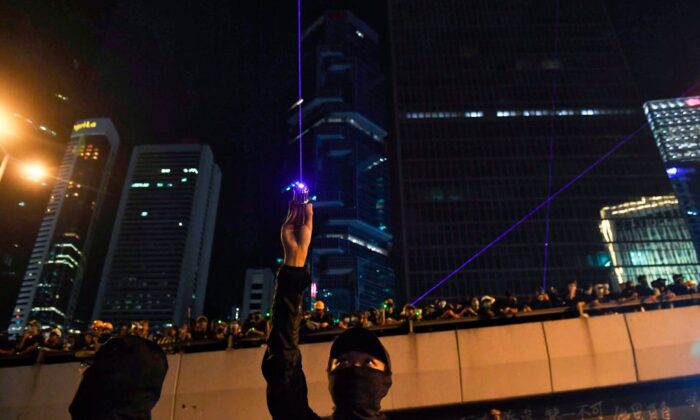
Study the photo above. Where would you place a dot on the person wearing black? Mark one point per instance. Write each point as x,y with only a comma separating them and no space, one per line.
643,288
320,318
678,287
540,301
574,299
359,370
124,381
31,339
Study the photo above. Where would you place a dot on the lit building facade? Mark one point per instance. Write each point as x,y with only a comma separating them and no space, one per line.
490,119
648,237
25,189
675,124
52,281
346,167
258,290
157,264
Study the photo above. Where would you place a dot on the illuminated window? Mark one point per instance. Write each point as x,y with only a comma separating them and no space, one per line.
144,213
165,171
21,204
140,185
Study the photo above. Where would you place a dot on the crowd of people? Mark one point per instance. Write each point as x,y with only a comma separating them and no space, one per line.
574,298
255,328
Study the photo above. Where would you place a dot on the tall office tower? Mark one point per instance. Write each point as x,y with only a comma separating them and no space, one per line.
158,260
343,116
648,237
676,127
258,290
24,192
54,274
498,105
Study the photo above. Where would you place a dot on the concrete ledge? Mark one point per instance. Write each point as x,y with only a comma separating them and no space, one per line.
221,385
503,362
589,352
429,369
666,342
425,370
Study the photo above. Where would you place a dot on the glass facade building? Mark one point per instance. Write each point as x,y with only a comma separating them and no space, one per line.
491,118
648,237
24,192
676,127
54,274
344,143
157,265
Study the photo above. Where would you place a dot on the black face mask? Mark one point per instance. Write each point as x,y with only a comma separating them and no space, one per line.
358,391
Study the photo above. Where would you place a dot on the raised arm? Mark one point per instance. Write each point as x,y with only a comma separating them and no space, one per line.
281,366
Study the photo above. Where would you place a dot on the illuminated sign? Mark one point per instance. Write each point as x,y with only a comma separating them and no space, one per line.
84,124
314,290
693,101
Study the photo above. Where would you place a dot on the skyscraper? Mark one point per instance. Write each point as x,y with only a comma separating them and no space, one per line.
257,291
498,105
648,237
676,127
344,142
158,260
54,274
25,190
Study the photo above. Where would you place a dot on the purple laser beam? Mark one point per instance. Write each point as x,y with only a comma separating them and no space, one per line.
552,137
533,211
299,85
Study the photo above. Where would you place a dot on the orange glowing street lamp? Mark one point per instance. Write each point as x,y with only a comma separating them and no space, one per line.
34,172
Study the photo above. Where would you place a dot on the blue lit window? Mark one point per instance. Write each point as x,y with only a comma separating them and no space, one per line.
144,213
184,179
140,185
165,171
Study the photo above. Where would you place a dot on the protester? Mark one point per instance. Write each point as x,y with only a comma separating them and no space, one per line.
320,319
359,371
255,326
679,287
124,381
183,334
575,300
389,315
201,328
53,342
31,339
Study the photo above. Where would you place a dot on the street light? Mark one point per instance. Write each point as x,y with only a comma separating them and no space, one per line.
34,172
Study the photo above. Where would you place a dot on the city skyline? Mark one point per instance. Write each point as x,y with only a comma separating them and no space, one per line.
163,77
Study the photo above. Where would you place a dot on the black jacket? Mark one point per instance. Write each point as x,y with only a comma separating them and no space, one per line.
124,381
281,366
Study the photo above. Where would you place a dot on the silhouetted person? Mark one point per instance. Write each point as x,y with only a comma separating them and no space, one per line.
124,381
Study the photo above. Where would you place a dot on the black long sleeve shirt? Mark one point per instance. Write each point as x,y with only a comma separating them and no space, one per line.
281,366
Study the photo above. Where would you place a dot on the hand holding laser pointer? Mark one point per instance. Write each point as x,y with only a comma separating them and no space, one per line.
296,233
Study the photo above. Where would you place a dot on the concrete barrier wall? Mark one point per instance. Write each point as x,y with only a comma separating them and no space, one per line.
589,352
666,343
428,369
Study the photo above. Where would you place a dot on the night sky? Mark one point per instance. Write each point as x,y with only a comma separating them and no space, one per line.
224,73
